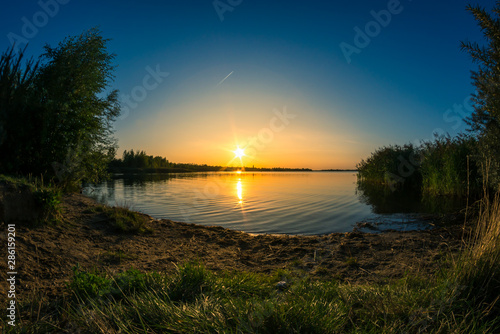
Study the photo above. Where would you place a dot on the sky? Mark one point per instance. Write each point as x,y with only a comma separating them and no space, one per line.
305,84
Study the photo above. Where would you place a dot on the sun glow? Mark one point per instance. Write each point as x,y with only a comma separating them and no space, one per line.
239,153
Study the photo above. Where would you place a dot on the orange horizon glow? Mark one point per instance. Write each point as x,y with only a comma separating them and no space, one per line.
262,160
244,130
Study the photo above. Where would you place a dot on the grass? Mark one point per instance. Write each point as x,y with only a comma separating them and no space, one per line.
449,167
478,268
124,220
196,300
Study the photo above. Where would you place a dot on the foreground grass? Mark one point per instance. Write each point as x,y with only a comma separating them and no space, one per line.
195,300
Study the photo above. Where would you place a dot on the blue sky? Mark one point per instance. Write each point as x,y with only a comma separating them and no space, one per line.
284,57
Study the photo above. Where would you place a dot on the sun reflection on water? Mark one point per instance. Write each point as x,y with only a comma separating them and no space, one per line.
239,191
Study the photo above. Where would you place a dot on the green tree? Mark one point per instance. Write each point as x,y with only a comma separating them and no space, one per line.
63,126
485,120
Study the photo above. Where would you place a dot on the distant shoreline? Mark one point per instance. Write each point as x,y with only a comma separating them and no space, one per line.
335,170
166,170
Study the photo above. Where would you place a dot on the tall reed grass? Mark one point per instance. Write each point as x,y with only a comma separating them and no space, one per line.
477,270
449,166
444,166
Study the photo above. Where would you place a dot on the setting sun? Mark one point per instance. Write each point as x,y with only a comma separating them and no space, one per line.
239,153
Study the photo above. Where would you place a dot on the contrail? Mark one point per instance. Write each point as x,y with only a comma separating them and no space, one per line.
224,78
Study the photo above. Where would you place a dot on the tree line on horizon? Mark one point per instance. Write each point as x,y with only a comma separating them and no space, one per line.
141,160
133,160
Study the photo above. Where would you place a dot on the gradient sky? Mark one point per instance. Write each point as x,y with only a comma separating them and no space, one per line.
408,80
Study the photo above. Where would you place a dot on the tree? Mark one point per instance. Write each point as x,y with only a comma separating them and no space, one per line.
68,112
485,119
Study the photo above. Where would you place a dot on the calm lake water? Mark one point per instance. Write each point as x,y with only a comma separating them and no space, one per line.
256,202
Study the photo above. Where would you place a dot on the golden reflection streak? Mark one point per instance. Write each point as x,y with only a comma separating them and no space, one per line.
239,191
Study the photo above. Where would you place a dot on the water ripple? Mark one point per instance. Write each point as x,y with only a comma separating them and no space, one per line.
292,203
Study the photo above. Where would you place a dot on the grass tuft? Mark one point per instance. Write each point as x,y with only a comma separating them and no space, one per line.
124,220
192,280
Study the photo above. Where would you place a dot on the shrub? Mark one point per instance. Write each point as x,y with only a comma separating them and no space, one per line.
391,166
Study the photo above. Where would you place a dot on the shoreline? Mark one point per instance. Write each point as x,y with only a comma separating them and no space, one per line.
168,170
48,254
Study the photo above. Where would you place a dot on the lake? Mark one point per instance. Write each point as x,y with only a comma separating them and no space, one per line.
258,202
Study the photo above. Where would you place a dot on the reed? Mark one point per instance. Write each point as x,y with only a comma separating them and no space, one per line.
477,270
444,166
448,164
